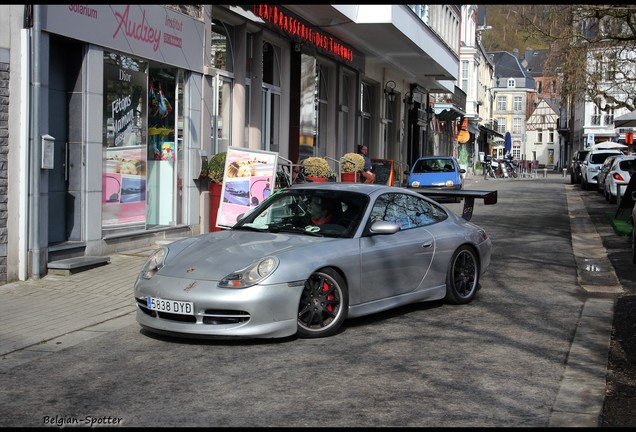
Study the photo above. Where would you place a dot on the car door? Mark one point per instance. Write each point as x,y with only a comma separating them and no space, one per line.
603,171
398,263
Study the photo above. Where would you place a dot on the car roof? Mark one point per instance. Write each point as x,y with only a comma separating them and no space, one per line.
611,151
341,186
435,157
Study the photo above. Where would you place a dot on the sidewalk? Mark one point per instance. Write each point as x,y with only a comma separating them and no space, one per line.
37,314
57,312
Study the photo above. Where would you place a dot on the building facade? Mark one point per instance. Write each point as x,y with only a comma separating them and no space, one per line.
514,89
543,140
113,109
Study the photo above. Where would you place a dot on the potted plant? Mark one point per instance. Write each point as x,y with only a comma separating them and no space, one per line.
351,164
216,172
216,168
315,168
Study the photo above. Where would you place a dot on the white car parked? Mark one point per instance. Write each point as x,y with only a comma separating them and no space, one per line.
620,172
591,165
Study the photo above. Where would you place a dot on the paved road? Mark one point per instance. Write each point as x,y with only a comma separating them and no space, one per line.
531,350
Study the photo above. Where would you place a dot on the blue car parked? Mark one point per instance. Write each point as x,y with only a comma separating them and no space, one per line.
438,172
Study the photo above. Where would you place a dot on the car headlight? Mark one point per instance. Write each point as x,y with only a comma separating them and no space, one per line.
450,183
154,263
250,275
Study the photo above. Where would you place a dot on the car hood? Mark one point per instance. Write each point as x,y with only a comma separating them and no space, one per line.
434,179
213,256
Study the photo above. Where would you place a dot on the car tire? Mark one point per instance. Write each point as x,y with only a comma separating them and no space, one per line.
323,304
462,278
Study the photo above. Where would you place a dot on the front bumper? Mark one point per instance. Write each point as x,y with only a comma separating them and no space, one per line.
267,311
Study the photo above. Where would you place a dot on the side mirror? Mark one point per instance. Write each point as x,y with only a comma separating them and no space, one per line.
462,171
384,227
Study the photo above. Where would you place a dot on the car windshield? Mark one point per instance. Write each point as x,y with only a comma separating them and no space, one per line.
313,212
433,165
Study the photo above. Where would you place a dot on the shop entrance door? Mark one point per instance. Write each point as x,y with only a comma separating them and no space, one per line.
64,180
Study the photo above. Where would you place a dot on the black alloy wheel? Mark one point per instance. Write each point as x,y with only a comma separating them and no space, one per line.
462,279
323,304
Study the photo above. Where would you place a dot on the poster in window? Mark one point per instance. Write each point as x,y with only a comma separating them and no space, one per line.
124,140
124,185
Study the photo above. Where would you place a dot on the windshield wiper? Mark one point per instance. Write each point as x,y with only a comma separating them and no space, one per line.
293,229
250,228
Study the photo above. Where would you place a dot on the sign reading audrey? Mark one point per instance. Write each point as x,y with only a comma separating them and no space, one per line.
148,31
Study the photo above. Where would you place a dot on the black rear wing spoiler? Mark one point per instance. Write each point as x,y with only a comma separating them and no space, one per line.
489,197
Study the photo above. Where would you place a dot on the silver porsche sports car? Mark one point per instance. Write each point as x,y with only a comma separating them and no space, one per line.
312,255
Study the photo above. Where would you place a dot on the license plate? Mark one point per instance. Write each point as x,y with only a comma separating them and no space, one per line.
170,306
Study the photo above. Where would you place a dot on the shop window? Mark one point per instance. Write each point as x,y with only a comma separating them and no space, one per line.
308,117
222,36
346,123
271,64
222,113
124,141
163,150
322,104
367,103
270,111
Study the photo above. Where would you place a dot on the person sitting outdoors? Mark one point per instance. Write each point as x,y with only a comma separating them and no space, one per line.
368,175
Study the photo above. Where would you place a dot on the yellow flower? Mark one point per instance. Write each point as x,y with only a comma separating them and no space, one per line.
352,162
315,166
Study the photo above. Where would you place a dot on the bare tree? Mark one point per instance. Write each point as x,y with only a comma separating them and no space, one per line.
592,49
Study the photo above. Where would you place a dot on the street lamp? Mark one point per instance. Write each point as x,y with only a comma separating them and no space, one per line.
389,90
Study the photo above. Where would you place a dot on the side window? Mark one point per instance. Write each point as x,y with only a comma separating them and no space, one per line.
406,210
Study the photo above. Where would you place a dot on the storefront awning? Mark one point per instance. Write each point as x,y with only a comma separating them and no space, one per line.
446,112
490,131
473,127
387,34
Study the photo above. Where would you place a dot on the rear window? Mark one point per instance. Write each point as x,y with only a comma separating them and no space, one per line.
599,158
627,165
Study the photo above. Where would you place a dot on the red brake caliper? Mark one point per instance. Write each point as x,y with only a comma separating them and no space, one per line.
325,288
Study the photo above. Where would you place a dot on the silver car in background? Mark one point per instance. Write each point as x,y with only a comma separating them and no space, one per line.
591,165
277,273
619,173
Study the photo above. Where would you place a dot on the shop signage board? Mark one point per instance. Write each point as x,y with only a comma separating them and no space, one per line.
148,31
249,179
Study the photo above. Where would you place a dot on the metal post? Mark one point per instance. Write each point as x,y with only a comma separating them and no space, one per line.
35,144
